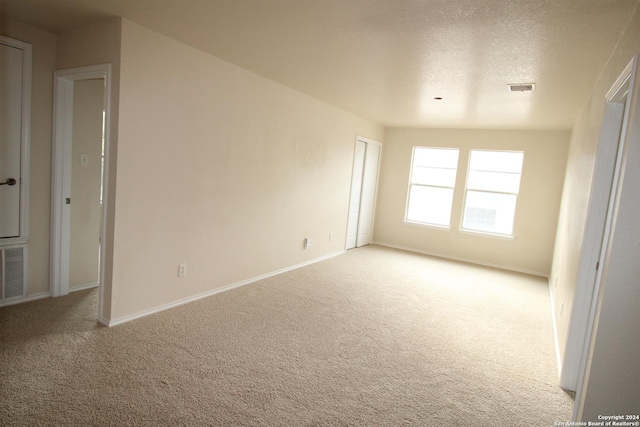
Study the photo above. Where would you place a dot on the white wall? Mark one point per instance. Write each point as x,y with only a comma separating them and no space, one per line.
220,169
537,208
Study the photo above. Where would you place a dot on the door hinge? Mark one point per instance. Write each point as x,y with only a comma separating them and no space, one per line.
68,200
597,265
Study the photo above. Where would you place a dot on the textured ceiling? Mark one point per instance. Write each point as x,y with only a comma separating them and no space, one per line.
386,60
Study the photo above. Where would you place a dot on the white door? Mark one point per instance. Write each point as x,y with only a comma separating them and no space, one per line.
364,182
10,139
368,196
356,191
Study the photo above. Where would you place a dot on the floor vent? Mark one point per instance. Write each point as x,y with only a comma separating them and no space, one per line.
12,273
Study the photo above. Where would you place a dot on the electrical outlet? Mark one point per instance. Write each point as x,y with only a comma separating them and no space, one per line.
330,236
460,242
182,270
308,243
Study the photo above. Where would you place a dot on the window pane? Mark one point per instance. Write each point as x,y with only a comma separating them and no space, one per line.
431,205
495,171
498,161
506,182
435,157
490,212
433,176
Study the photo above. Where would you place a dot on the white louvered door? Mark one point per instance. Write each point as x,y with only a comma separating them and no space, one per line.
10,139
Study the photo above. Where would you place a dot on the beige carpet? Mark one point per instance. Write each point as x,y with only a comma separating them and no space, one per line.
376,337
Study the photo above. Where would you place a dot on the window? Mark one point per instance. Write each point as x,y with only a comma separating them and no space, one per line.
433,177
493,182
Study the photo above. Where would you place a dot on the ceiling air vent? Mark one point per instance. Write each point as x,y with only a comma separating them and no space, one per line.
522,87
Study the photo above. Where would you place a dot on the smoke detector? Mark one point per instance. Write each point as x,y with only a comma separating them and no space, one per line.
522,87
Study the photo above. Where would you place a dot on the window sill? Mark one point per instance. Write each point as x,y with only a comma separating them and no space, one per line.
487,234
424,225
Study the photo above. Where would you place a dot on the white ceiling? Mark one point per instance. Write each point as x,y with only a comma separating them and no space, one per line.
386,60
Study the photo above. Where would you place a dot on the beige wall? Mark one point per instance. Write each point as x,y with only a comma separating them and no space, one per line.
86,210
43,63
222,170
614,378
545,155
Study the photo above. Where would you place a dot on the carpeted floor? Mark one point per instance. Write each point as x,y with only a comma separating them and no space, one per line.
375,337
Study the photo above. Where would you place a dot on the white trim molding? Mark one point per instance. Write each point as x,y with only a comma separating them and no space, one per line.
368,140
84,287
27,299
187,300
554,323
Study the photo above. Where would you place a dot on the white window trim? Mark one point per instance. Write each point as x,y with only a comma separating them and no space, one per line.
503,236
406,206
426,225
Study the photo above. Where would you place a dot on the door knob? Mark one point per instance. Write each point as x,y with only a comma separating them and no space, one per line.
9,181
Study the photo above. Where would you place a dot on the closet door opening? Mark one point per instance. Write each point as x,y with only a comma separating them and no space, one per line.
364,184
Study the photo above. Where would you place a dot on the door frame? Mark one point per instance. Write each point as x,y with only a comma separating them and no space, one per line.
367,141
598,228
355,194
61,174
25,141
616,117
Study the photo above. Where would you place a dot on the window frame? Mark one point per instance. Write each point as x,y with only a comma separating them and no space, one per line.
462,229
413,222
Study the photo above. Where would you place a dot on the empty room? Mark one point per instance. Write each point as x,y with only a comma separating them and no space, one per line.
325,212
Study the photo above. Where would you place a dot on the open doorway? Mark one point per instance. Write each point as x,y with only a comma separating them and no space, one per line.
86,183
597,229
80,161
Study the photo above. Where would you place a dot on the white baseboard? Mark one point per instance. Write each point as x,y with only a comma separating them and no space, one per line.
470,261
83,287
145,313
27,299
555,330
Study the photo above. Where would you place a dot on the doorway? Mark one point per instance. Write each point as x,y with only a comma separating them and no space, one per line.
86,183
597,230
80,164
600,221
364,183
